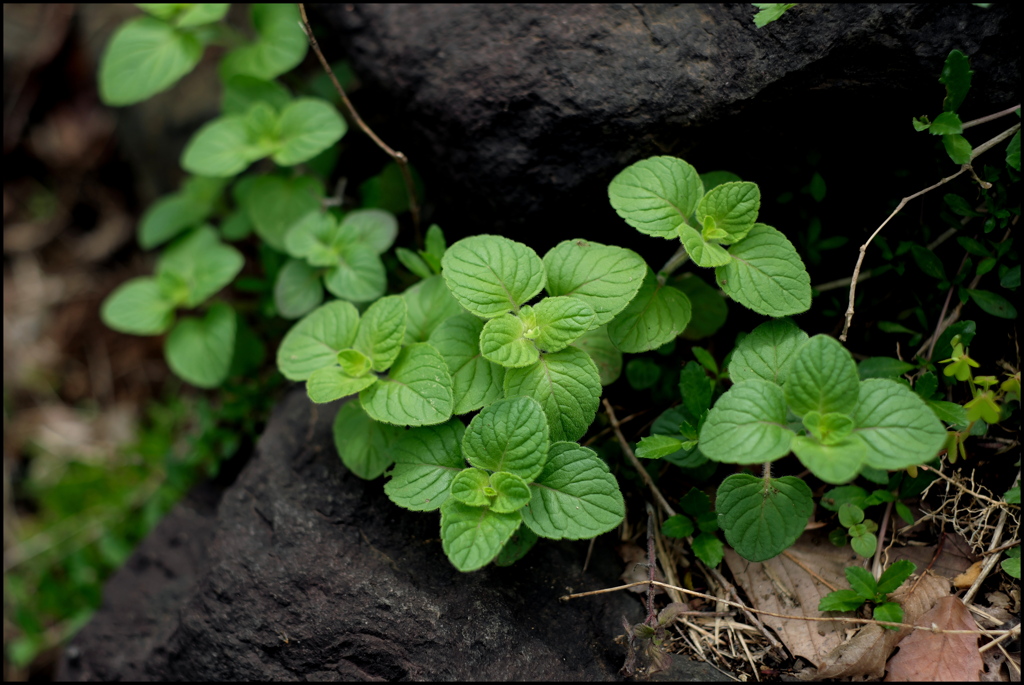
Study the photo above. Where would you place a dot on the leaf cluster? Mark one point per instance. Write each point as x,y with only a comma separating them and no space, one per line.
864,588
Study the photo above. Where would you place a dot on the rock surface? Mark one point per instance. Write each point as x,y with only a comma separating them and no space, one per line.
304,571
521,114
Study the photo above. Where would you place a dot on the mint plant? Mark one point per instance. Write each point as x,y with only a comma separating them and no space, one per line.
864,588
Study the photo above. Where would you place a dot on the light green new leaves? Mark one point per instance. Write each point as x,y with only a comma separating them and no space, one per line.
174,213
363,444
656,195
300,131
197,267
314,342
658,314
510,435
766,274
138,307
728,212
501,492
833,463
416,392
568,387
762,518
475,381
605,277
822,378
575,496
472,536
470,487
280,47
199,350
502,342
145,56
897,426
767,352
747,425
426,462
703,252
332,383
490,275
558,321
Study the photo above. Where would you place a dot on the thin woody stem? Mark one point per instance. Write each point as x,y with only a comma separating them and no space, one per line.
399,157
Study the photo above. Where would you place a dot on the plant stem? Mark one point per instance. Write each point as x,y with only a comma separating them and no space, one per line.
652,618
662,502
990,117
675,261
399,157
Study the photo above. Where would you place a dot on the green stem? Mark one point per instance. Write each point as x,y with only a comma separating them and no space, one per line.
675,261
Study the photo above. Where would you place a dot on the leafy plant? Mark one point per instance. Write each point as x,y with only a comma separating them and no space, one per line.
864,589
770,11
697,515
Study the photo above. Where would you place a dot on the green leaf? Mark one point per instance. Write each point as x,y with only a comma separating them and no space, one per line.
897,426
1012,496
695,389
503,342
766,274
730,207
707,304
894,576
864,544
359,276
883,367
560,321
306,128
888,611
658,446
434,242
575,497
426,462
605,277
430,303
416,392
275,204
470,487
374,228
747,425
841,600
767,353
381,331
174,213
476,382
332,383
762,518
850,514
138,307
567,385
835,498
642,373
510,435
829,429
1011,564
958,149
413,262
145,56
280,47
1013,152
316,238
945,124
603,351
513,492
836,463
516,548
770,11
657,315
817,187
202,264
711,179
314,342
242,92
199,350
677,526
994,304
822,377
297,290
473,536
1011,279
922,123
709,549
236,226
221,148
363,444
656,195
490,275
702,252
956,76
929,263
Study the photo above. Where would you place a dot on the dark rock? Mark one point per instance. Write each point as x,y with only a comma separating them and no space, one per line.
519,115
305,571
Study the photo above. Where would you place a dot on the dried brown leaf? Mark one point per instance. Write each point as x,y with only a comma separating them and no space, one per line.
939,657
636,571
967,578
